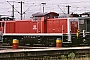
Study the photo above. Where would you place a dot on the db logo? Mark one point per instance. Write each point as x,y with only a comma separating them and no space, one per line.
34,27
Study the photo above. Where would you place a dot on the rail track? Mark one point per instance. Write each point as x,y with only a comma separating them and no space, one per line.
49,53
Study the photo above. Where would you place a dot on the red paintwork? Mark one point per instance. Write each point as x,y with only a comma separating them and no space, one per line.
41,25
22,27
74,26
55,25
50,26
10,27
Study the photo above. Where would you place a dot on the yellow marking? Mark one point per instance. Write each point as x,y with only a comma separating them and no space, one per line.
58,41
15,41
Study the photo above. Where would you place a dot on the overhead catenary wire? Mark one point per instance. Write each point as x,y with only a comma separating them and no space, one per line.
14,8
73,2
61,4
75,9
27,9
61,9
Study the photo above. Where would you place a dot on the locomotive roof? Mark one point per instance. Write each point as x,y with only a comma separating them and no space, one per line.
39,14
43,14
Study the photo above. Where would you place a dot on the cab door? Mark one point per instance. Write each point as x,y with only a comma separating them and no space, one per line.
74,26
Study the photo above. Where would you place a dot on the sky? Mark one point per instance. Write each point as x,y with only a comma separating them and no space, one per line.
34,6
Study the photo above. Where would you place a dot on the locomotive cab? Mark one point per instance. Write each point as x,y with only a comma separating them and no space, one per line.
52,15
45,15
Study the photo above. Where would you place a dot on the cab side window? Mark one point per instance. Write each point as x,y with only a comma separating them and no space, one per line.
47,16
54,16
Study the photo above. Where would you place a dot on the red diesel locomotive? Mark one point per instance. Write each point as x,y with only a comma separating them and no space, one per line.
43,29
